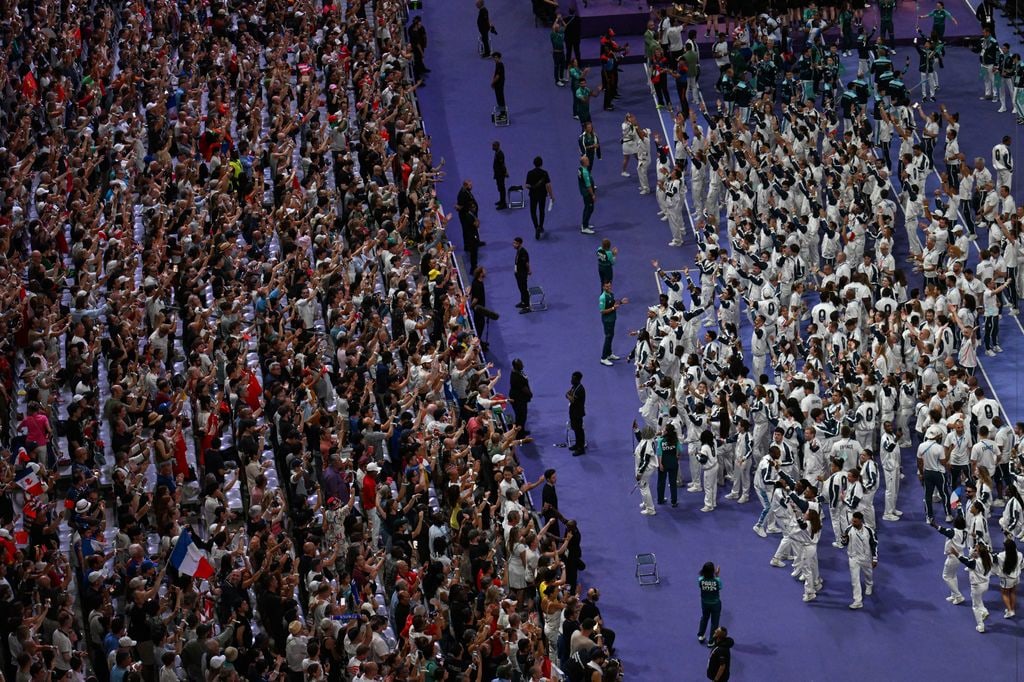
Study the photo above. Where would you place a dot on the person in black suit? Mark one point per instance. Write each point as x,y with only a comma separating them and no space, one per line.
520,395
549,500
986,17
478,302
469,210
484,26
522,270
538,183
498,81
500,173
577,397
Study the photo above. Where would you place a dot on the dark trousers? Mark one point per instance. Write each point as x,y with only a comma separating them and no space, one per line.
991,331
537,212
609,335
671,473
953,169
572,46
712,612
558,56
499,95
576,424
524,289
485,38
935,481
500,184
661,91
588,210
959,473
520,407
473,249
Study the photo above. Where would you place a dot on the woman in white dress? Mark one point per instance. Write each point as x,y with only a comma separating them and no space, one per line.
630,142
1007,565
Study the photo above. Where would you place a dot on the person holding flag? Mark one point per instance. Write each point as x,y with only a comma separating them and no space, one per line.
188,559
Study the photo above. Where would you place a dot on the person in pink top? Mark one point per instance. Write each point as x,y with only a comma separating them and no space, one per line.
36,427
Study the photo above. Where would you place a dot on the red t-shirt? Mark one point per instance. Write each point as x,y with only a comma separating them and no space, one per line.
369,493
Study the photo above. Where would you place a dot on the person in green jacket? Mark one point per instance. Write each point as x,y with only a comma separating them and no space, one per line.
606,254
668,447
558,49
710,598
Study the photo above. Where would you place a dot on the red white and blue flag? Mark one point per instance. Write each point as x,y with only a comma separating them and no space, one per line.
189,559
29,481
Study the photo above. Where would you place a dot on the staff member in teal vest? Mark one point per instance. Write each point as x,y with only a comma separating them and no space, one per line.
609,306
710,598
606,254
668,463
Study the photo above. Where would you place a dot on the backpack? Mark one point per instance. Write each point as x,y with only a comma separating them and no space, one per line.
576,670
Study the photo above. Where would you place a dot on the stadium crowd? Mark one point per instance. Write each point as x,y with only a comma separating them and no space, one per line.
247,428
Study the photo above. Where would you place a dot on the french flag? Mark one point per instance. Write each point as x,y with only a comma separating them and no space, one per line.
189,559
955,497
28,480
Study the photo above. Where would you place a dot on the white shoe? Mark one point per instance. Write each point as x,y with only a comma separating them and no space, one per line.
706,509
999,503
743,499
675,243
980,627
869,589
760,531
990,353
614,357
997,348
810,597
890,517
732,496
586,230
1010,614
661,214
949,518
776,563
648,512
796,574
950,598
695,489
645,191
958,600
773,530
606,362
624,174
837,545
897,512
856,605
1001,110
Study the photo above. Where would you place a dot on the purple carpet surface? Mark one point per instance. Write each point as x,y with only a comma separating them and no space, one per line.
906,630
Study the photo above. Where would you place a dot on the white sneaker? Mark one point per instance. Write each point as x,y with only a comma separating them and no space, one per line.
949,518
1001,110
743,499
1011,614
675,243
776,563
606,362
990,353
890,517
998,349
663,218
732,496
950,598
760,531
648,512
706,509
869,589
774,530
614,357
856,605
810,597
980,627
624,174
645,191
959,599
796,574
897,512
587,230
837,544
999,503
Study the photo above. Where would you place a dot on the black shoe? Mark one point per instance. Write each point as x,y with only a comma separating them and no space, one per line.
675,504
523,311
577,453
501,207
536,234
522,305
425,70
482,244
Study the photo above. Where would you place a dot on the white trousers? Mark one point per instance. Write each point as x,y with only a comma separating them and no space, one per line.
892,490
950,571
978,602
645,489
710,486
857,569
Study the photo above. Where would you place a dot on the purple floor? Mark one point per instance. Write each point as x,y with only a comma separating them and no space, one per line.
906,630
